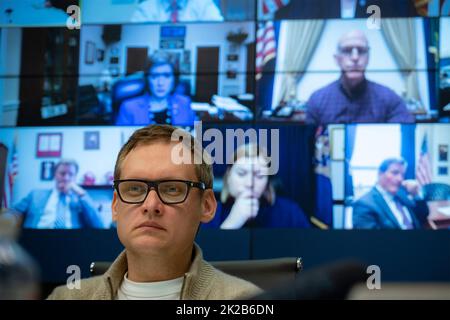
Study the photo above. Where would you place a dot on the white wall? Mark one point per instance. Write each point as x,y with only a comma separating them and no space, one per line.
90,73
337,142
437,134
10,53
105,11
197,35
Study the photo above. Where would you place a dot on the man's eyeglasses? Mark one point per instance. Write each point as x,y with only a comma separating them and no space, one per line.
349,51
135,191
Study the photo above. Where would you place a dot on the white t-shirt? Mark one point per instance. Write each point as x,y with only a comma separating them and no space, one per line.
161,290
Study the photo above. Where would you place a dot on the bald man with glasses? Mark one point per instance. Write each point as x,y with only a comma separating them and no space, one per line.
158,205
352,98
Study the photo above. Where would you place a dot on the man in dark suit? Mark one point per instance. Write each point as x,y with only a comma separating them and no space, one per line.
65,206
393,203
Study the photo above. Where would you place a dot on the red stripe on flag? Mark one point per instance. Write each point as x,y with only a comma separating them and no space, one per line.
265,47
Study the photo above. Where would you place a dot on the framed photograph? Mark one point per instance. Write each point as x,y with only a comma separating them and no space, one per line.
443,152
100,55
337,144
49,145
47,170
443,171
91,140
89,56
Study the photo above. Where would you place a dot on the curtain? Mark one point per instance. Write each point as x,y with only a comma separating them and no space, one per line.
431,30
400,36
301,41
350,135
296,168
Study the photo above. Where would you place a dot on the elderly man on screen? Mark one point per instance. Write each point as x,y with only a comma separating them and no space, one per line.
393,203
158,205
353,98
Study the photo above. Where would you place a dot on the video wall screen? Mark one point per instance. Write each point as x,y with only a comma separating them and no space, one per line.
110,74
345,89
313,71
257,175
294,176
40,13
350,9
151,11
340,71
195,71
396,177
39,76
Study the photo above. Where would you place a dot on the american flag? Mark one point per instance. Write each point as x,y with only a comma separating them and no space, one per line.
265,46
324,190
424,173
270,6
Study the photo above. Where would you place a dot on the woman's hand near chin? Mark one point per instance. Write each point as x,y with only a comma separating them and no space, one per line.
244,208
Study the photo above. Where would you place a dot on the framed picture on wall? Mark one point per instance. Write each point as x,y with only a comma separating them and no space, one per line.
91,140
443,171
49,145
100,55
443,152
47,170
90,53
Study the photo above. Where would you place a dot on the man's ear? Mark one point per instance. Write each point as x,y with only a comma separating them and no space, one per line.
209,206
114,203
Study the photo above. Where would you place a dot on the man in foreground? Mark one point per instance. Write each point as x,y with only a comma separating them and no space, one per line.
158,206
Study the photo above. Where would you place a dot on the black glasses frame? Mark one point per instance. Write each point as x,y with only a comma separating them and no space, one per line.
154,185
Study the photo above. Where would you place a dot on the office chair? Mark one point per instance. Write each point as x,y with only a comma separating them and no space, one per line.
124,89
436,192
134,86
265,273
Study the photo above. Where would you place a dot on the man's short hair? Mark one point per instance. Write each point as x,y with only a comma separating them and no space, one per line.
163,133
67,162
384,166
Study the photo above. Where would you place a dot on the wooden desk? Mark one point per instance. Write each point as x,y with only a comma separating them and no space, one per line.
437,219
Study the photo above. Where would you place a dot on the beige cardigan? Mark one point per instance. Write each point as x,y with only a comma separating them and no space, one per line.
201,282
